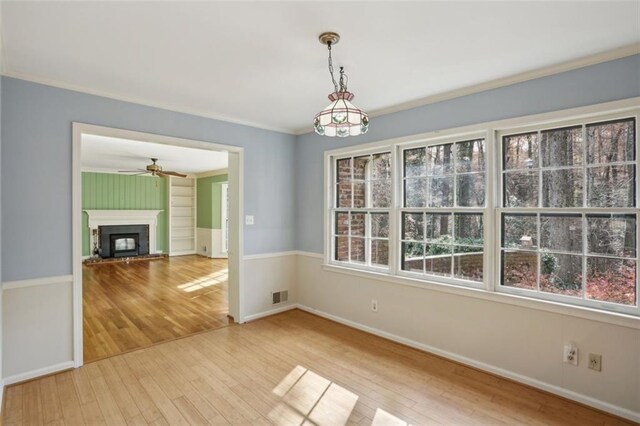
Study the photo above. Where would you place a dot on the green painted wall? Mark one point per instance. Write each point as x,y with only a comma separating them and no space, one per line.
105,191
209,193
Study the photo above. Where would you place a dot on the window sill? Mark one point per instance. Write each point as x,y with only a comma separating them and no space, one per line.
615,318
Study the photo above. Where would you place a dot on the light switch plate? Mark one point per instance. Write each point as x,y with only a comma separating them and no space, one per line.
248,220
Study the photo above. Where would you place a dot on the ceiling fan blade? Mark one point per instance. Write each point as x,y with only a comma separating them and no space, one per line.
170,173
138,171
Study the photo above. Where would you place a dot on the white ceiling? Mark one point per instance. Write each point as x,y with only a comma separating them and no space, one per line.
110,155
260,62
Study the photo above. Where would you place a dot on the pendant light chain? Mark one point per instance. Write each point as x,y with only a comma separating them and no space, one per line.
335,85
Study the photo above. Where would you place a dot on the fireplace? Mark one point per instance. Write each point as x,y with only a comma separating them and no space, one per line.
123,240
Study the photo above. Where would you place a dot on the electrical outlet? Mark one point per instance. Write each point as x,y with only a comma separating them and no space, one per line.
570,355
595,362
374,305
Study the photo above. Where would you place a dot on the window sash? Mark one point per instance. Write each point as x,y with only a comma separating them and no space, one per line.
583,210
492,212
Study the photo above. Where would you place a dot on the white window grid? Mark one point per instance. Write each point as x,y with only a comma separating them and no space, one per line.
583,211
366,210
453,210
493,210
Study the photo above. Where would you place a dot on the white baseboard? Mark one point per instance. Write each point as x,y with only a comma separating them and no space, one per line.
22,377
583,399
270,312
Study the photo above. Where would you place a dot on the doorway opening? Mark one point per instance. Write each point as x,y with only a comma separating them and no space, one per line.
157,251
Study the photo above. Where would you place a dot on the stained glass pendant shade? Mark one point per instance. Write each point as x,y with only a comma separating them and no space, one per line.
341,118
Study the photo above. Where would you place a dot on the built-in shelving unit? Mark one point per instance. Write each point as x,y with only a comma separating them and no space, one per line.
182,216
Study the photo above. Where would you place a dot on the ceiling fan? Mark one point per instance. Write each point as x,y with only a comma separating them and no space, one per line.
155,170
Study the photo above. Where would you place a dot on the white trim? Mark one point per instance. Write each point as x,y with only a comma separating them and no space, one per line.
597,58
271,312
310,254
284,253
610,55
235,154
557,390
270,255
1,395
76,232
490,130
33,282
218,172
140,101
23,377
579,311
224,212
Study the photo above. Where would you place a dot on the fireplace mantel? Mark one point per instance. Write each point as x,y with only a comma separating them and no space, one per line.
124,217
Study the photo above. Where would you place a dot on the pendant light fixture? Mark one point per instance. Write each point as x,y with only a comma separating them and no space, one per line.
341,118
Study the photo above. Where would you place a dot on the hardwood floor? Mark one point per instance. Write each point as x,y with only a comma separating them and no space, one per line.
293,368
136,304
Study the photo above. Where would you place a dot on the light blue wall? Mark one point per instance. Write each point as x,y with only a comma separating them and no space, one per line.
35,155
599,83
36,172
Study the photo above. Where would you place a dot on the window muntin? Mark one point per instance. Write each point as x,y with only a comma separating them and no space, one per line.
596,162
559,235
442,218
362,201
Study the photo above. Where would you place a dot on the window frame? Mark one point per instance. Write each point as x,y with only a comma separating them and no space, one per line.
398,170
334,209
583,211
490,288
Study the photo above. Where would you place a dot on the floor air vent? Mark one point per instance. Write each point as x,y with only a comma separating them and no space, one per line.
280,297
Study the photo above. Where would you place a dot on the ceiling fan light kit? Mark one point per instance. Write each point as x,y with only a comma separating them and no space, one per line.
340,118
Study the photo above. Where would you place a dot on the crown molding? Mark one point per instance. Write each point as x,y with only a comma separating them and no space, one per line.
609,55
140,101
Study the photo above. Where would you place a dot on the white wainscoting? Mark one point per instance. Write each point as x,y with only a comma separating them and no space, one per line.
265,274
37,315
209,243
37,324
520,343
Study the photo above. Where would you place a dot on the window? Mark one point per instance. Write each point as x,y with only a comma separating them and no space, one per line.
442,216
568,223
361,210
547,212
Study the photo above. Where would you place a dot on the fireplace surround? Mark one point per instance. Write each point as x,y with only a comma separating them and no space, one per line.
118,222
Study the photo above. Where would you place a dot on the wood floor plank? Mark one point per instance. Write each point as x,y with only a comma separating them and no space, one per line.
146,406
106,401
32,404
164,404
290,369
71,411
51,410
92,414
131,305
13,405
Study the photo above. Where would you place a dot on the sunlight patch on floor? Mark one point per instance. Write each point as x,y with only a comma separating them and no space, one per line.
384,418
216,278
310,399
